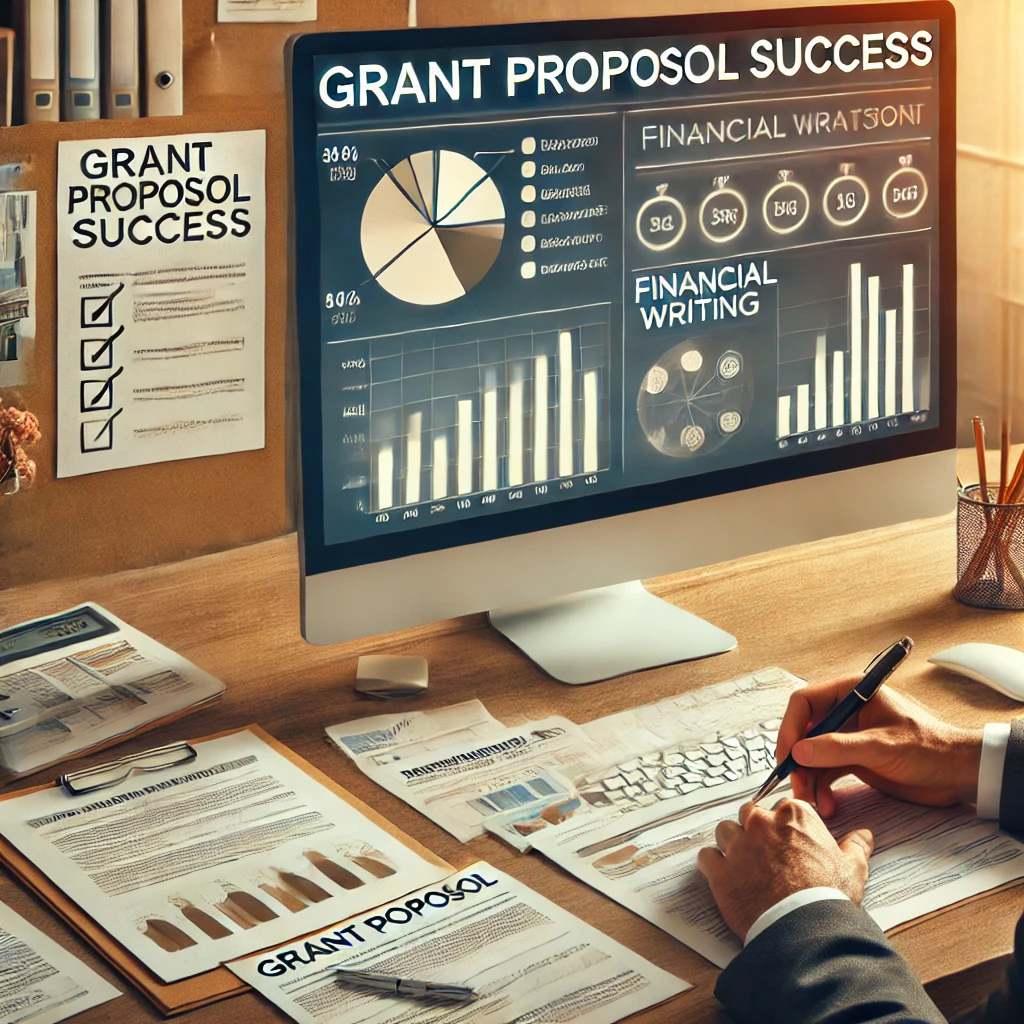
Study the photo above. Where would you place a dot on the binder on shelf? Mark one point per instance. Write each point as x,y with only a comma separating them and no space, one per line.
120,51
6,75
80,67
163,58
41,55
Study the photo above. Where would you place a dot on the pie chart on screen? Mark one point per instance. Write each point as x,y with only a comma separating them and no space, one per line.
432,227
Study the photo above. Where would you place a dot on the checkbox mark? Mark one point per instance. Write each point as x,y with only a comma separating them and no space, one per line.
98,435
98,310
98,353
99,394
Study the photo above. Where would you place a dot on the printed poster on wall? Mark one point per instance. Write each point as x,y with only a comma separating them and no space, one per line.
17,286
160,316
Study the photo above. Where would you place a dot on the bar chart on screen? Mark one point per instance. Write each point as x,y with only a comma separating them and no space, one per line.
860,358
458,415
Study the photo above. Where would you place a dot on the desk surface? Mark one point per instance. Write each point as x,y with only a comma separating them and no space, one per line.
817,610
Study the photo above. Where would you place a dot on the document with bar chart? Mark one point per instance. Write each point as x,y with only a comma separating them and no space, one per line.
583,267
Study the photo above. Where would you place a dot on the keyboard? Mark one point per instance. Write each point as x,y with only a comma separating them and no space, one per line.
674,771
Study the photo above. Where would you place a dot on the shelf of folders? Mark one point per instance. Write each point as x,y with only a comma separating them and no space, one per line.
990,533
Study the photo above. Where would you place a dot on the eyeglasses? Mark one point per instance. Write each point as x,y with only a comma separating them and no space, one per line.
103,776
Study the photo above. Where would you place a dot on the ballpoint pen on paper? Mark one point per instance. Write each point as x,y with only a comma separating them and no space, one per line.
406,986
874,675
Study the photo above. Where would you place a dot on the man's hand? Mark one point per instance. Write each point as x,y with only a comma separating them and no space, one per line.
893,744
772,854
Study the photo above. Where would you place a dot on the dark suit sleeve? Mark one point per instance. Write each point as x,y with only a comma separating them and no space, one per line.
1011,794
825,963
1007,1004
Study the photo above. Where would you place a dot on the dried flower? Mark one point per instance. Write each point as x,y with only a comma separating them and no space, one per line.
20,425
17,427
26,468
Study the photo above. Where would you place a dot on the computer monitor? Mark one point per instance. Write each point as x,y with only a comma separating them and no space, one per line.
586,302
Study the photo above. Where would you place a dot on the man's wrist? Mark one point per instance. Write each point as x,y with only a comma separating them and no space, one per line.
787,905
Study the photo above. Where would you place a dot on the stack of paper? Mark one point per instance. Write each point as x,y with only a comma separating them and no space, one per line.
83,677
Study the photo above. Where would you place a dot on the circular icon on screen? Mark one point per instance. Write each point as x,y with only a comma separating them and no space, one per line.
786,205
691,360
723,214
846,198
905,191
660,221
730,421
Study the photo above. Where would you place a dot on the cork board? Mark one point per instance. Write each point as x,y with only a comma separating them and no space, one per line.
147,515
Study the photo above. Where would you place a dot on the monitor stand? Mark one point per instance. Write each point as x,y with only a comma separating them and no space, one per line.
610,631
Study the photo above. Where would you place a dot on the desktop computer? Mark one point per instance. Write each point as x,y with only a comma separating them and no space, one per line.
586,302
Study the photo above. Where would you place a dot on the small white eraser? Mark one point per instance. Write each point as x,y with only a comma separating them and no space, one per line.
391,675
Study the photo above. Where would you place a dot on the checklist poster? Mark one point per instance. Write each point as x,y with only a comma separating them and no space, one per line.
160,323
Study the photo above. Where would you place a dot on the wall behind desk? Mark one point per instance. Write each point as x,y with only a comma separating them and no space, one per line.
235,80
145,515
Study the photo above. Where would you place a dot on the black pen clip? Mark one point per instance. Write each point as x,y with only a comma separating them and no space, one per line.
877,658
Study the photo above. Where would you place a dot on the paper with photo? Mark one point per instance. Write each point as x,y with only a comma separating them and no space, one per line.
161,299
17,286
525,957
459,785
89,677
40,982
238,850
266,10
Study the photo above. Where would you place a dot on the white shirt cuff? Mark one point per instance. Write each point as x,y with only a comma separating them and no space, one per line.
790,903
990,772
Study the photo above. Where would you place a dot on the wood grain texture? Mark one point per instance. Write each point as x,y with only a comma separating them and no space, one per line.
144,515
817,610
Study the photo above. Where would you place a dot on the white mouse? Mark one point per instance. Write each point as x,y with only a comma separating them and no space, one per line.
1002,668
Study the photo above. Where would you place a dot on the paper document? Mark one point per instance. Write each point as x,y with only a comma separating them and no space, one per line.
87,677
266,10
925,859
648,863
160,300
459,785
199,863
393,737
41,983
526,958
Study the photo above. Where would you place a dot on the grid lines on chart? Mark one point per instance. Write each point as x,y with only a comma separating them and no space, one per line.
468,412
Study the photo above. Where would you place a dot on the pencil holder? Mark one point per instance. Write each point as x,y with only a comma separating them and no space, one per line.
990,551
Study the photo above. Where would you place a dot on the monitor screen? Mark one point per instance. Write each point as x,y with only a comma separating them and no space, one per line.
548,273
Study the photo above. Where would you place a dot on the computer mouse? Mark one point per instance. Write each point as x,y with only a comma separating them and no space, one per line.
1002,668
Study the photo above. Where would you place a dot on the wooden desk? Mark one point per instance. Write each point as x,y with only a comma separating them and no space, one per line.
817,610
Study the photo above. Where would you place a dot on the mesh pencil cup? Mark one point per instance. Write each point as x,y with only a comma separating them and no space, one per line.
989,551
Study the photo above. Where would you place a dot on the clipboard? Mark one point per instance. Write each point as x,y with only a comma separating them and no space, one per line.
172,998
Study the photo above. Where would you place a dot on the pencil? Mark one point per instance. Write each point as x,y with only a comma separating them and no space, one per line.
979,447
1016,489
1004,458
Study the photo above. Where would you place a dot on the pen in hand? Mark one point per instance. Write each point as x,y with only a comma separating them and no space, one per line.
874,675
406,986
